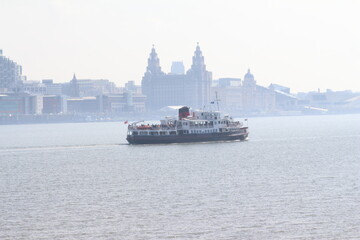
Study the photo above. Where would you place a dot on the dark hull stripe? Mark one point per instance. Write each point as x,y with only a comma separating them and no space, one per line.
186,138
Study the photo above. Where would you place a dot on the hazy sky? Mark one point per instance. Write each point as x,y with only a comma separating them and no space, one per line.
306,45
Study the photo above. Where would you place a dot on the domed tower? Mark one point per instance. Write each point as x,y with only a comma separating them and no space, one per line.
249,80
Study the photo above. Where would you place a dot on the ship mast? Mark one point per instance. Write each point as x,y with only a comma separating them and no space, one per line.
217,100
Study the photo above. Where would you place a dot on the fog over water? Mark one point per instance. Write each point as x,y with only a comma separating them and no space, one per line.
296,178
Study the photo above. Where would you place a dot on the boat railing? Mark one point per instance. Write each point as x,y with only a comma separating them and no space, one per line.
235,124
151,127
202,126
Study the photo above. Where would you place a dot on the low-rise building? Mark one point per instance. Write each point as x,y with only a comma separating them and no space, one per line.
20,103
123,103
34,87
51,87
243,97
54,104
83,105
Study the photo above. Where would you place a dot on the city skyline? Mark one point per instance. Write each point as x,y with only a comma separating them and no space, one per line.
301,45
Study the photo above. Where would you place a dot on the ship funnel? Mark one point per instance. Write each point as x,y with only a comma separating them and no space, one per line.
184,112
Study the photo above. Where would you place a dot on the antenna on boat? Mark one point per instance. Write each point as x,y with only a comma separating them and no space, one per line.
217,100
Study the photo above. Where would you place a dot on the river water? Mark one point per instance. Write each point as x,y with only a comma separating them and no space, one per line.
296,178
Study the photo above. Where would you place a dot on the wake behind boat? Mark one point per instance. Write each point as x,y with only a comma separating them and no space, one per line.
198,126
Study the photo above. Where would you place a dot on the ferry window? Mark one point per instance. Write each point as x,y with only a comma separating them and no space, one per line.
172,133
219,122
135,133
162,133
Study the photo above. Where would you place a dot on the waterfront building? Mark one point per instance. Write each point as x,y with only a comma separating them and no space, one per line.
284,100
256,98
54,104
177,68
10,74
83,105
126,102
51,87
11,103
35,104
226,95
243,96
94,87
88,87
123,102
131,86
334,101
191,89
20,103
71,88
34,87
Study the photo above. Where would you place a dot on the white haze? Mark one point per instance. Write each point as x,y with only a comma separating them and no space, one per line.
304,45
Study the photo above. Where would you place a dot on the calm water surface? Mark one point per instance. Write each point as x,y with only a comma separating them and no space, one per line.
296,178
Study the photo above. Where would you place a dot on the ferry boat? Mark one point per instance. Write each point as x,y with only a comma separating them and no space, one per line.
197,126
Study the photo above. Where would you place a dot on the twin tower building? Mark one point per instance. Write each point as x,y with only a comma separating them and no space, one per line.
177,88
